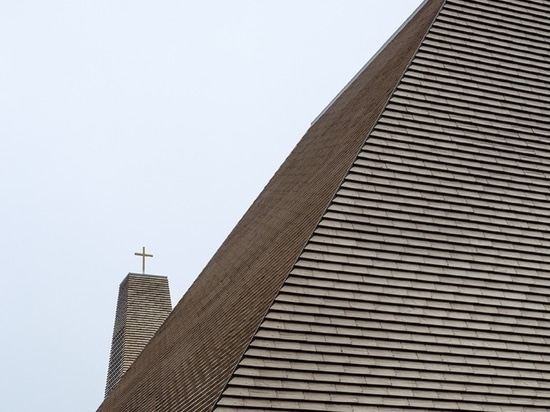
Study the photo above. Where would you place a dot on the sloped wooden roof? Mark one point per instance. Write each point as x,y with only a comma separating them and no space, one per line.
398,260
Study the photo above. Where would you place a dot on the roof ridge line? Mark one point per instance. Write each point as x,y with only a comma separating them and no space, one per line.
366,65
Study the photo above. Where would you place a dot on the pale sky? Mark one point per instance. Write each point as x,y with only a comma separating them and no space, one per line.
143,123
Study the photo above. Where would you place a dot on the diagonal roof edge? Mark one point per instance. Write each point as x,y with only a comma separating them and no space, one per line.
192,356
349,84
367,64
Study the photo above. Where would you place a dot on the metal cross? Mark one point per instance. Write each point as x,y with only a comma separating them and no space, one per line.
143,256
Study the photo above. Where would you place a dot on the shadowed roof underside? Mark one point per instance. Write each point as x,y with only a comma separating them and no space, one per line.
398,260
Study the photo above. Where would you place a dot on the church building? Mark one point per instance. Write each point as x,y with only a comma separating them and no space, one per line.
399,259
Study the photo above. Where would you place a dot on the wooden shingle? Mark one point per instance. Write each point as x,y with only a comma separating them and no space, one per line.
398,260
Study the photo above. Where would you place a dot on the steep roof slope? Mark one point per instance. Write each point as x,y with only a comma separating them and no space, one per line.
398,259
426,285
191,358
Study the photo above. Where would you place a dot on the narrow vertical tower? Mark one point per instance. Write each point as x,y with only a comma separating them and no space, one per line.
143,305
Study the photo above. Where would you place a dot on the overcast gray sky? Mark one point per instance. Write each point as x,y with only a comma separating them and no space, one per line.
143,123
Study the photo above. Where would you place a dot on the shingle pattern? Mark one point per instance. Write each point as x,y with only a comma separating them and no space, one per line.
426,285
398,259
189,361
143,305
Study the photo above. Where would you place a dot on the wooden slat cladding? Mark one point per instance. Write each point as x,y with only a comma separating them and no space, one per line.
426,284
189,361
143,305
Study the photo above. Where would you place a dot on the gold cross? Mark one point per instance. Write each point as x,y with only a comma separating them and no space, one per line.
143,256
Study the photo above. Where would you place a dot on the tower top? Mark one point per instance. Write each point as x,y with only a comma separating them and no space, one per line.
143,305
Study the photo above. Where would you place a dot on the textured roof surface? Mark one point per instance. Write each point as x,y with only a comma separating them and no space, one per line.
399,258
